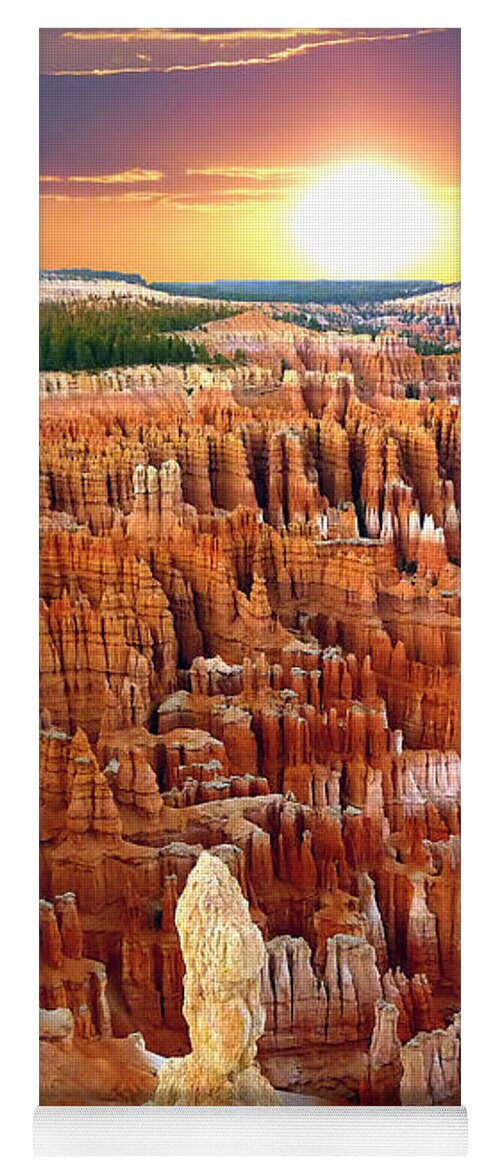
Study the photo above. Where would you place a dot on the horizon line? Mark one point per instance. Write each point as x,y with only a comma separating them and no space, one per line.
253,280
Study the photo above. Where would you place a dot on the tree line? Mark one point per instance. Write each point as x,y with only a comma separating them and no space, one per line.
79,336
297,292
427,347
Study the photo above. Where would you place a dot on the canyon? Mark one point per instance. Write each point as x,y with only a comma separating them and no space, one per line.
250,648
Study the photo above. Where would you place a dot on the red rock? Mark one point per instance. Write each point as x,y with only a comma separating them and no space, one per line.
250,644
384,1058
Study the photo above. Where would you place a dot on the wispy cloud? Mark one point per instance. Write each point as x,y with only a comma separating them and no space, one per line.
228,36
228,200
228,171
273,58
123,197
134,175
223,207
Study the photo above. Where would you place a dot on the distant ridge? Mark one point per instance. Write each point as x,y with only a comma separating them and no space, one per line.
315,292
90,274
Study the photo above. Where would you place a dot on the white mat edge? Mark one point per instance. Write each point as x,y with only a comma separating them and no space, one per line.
234,1130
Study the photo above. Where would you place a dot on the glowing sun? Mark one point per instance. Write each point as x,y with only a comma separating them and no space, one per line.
364,221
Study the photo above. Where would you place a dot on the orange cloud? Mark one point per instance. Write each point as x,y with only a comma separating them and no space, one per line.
134,175
229,199
126,197
243,172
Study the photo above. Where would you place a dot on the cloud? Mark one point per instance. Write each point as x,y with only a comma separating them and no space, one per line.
125,197
52,198
223,207
127,36
274,58
239,171
134,175
228,200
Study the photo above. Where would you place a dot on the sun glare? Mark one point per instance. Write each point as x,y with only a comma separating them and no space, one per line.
364,221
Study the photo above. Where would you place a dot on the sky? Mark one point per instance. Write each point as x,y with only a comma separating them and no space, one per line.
206,154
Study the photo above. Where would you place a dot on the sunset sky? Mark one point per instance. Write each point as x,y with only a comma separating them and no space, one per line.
206,154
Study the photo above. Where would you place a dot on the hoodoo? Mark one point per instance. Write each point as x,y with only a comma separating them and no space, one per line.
224,953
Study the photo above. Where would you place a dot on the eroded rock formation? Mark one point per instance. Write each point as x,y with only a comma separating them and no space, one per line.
250,648
224,953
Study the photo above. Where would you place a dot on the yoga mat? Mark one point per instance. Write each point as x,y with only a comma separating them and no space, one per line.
250,492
